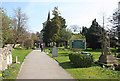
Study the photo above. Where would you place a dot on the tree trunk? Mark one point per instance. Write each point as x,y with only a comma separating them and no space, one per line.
66,44
57,44
46,44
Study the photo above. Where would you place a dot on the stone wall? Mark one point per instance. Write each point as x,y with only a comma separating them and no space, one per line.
5,57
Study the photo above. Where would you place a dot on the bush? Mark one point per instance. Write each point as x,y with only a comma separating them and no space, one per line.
81,60
28,43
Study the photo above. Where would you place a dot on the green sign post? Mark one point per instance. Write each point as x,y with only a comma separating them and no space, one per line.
78,44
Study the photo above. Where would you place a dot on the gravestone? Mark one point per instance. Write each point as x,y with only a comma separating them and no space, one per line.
55,51
1,58
5,57
4,62
10,61
16,60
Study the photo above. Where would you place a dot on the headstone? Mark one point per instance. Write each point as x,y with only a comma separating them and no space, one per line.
10,59
4,62
5,57
55,51
1,59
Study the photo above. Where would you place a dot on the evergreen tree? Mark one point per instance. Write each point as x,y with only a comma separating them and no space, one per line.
84,30
53,31
56,24
63,22
52,28
47,32
92,37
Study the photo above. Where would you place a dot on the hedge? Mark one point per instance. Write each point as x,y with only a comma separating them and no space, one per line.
81,60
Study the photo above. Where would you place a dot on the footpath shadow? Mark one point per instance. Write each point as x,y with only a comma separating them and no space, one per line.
90,50
18,48
67,65
63,54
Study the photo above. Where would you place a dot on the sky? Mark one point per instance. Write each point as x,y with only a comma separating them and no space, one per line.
76,12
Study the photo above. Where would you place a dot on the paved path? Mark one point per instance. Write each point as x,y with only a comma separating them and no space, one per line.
38,65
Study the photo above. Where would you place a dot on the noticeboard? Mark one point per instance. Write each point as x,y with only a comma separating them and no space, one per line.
78,44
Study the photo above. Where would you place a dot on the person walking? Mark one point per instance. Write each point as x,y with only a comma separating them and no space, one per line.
41,47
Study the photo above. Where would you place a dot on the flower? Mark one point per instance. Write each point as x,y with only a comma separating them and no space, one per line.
0,75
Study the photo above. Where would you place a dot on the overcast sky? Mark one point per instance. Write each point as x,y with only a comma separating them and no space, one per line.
76,12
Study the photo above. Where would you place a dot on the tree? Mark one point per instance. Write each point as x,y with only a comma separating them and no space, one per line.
115,34
75,28
18,25
52,27
84,30
56,25
92,36
63,22
28,43
7,33
37,34
35,38
48,29
65,35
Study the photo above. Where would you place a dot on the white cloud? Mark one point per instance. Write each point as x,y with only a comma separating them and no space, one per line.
85,11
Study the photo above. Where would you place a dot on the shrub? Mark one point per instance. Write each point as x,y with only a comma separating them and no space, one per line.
81,60
28,43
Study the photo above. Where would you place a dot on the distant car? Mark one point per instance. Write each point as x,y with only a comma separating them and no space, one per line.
86,53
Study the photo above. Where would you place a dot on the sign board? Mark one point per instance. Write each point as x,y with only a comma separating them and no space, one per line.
78,44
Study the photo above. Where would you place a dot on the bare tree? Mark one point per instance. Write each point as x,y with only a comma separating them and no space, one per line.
75,28
19,26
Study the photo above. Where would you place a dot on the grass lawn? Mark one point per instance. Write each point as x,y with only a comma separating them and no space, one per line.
94,72
12,72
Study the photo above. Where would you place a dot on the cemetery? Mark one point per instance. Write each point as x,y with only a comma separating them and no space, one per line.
86,63
94,71
91,52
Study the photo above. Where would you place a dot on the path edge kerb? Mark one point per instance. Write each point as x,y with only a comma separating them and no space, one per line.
22,65
59,65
